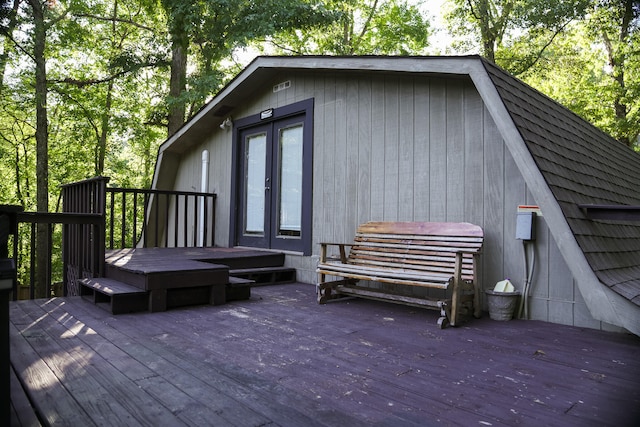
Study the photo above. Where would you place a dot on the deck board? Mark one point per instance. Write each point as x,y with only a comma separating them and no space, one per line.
279,358
21,411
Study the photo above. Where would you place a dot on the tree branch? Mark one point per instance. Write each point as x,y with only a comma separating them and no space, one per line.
473,11
365,27
17,45
115,19
283,47
97,81
543,49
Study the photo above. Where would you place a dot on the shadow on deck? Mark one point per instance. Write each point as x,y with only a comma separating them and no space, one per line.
278,358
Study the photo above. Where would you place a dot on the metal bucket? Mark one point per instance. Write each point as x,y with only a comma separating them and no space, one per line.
502,304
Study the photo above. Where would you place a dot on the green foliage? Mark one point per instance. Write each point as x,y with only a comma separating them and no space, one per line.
209,32
108,65
489,26
594,70
582,53
362,27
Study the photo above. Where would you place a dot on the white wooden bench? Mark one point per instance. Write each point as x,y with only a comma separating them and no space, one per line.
441,255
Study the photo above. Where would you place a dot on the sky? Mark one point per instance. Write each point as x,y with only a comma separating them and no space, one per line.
433,9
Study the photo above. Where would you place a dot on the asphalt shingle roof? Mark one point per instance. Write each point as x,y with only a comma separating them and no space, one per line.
581,165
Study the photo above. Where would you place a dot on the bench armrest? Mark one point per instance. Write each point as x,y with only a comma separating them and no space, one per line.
341,248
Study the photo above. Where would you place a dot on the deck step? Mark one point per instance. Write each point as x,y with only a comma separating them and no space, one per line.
177,277
115,296
266,275
21,409
255,259
238,288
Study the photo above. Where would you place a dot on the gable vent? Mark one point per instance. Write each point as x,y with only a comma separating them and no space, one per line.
282,86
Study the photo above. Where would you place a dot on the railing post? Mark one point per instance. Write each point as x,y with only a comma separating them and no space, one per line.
83,197
8,285
7,277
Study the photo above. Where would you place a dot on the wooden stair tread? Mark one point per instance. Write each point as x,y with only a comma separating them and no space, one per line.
240,271
239,281
111,287
262,276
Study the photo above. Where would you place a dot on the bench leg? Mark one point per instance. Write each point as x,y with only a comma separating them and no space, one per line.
445,314
477,311
323,292
326,290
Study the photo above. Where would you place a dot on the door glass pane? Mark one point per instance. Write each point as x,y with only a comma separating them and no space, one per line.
290,181
254,166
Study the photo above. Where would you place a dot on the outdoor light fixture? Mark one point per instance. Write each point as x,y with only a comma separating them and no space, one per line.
266,114
227,124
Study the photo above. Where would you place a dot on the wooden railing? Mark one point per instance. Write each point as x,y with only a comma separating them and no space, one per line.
95,218
176,218
82,249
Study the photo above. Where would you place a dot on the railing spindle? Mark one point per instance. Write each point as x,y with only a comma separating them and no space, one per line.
111,220
135,219
146,204
176,223
49,252
185,220
32,268
123,226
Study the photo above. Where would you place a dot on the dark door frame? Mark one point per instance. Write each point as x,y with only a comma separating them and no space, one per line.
301,108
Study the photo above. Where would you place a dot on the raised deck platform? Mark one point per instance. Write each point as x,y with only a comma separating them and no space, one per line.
156,279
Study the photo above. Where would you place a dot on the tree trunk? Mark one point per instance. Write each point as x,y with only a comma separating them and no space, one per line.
104,132
42,149
106,114
487,30
617,61
12,21
177,85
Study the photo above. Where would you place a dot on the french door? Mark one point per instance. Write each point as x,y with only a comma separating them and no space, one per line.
274,185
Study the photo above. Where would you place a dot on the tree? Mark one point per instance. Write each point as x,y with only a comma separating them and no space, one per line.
211,30
498,24
616,24
63,79
42,142
364,27
8,23
594,69
120,43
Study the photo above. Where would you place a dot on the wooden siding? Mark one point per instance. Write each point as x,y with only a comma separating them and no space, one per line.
397,147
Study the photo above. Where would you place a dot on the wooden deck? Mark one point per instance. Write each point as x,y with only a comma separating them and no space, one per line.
279,358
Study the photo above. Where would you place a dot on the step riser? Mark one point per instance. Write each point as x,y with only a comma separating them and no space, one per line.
267,260
265,277
180,279
178,297
137,280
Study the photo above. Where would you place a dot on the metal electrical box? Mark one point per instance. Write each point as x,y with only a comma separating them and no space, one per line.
526,226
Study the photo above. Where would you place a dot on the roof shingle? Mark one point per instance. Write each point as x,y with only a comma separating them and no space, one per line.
581,165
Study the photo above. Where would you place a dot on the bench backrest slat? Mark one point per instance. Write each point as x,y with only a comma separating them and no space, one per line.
416,246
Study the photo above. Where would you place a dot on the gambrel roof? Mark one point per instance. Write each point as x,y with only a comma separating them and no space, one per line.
582,166
566,163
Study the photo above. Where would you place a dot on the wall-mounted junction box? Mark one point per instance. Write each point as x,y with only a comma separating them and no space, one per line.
526,226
